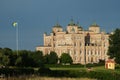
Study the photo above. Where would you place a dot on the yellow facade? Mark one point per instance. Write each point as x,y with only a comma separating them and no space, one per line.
84,46
110,64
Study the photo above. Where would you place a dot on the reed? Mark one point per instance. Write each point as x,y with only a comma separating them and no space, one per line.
42,78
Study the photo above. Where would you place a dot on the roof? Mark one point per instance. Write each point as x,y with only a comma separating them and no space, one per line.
94,25
79,26
71,23
57,25
110,61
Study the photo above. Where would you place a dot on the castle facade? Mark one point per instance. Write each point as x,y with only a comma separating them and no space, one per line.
84,46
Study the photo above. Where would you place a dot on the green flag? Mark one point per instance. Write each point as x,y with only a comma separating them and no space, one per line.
15,24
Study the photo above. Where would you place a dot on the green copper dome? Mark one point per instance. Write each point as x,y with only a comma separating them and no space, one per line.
94,25
79,26
71,23
57,25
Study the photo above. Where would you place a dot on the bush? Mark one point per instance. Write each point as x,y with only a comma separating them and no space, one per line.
81,74
117,66
44,71
16,71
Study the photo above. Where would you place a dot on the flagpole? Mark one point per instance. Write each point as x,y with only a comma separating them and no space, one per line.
15,24
17,38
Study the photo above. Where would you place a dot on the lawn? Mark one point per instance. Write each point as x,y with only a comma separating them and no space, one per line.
68,69
97,68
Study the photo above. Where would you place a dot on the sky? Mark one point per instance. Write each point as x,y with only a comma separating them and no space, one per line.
34,17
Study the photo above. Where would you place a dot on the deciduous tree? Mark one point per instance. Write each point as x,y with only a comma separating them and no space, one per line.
114,48
66,58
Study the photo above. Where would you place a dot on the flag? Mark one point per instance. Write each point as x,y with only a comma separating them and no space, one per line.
15,24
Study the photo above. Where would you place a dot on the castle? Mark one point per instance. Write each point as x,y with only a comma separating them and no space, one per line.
84,46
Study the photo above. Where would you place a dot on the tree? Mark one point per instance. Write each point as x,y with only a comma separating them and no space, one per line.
18,61
65,58
4,56
52,58
5,60
13,58
46,57
114,48
23,59
38,58
7,51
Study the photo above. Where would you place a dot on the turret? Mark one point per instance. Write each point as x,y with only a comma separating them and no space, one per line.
57,28
94,28
72,27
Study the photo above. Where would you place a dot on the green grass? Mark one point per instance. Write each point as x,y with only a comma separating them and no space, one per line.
67,69
98,69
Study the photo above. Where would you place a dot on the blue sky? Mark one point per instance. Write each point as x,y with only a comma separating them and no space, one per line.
35,17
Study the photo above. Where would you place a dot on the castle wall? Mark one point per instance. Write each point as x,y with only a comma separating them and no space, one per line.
83,46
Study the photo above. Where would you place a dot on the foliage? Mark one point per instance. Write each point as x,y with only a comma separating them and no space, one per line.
16,71
51,58
94,74
5,60
25,58
114,48
46,59
18,61
38,58
99,75
4,56
65,59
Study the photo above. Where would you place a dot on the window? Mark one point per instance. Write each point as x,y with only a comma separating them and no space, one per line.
88,59
80,59
91,53
80,52
75,58
88,52
109,65
80,44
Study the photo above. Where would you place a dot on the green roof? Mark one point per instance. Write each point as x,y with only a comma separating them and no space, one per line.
94,25
57,25
71,23
79,26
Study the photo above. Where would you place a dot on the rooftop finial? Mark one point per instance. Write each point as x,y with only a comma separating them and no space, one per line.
71,23
57,24
94,25
79,26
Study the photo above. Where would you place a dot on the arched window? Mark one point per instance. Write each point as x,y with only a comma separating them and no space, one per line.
91,59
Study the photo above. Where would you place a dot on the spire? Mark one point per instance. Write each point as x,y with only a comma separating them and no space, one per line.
71,23
57,25
79,26
94,25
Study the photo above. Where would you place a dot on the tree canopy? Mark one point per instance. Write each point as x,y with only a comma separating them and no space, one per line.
25,58
65,58
51,58
114,48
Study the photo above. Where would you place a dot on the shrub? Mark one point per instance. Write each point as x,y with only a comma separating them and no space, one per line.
16,71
